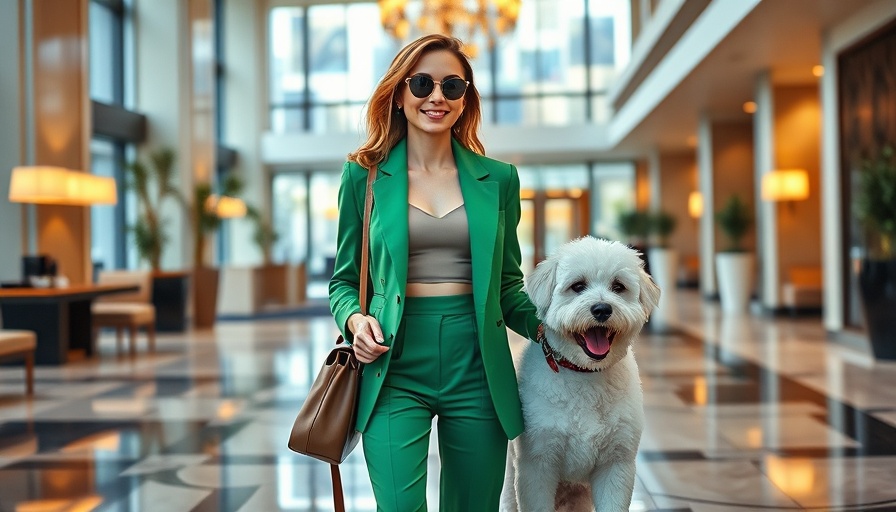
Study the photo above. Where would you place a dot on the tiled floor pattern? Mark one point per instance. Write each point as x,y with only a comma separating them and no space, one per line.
743,413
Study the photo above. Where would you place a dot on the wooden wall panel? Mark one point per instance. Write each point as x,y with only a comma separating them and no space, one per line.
62,126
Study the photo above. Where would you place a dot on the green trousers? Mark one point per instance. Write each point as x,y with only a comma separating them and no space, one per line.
436,370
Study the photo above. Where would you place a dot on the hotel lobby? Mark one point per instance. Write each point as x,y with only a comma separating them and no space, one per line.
154,350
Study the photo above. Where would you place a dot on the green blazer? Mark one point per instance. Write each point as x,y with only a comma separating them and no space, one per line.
491,191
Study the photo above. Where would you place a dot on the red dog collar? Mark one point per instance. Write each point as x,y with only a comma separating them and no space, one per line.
554,360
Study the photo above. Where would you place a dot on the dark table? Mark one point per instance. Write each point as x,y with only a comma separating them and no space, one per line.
60,317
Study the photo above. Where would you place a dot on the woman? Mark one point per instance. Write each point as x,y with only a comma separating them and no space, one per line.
445,277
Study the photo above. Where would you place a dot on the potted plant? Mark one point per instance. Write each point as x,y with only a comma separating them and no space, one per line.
153,184
875,208
734,265
635,227
663,267
203,214
264,236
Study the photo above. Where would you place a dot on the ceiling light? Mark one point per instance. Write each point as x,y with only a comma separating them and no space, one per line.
451,17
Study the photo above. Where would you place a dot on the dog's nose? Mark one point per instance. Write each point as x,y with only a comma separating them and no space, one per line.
601,311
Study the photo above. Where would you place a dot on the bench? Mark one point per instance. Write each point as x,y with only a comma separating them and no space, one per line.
20,345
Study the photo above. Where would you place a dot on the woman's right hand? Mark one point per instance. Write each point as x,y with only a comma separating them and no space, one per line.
368,337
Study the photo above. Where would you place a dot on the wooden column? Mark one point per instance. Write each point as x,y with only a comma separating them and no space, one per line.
61,125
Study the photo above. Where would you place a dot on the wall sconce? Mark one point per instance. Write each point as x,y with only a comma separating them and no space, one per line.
226,207
60,186
695,204
785,185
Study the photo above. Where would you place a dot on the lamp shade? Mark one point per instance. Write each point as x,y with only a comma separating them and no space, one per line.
226,207
785,185
695,204
57,185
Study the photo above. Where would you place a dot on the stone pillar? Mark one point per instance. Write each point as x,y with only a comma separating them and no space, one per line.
15,232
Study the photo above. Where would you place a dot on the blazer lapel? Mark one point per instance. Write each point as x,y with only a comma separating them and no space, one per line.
390,194
481,204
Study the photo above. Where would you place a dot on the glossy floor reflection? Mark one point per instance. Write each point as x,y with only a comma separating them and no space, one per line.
743,413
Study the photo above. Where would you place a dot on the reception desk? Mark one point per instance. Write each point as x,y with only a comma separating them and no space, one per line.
60,317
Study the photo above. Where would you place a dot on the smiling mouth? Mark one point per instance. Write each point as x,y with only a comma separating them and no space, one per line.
595,342
435,114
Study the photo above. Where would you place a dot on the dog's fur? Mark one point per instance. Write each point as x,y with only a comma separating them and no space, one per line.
582,430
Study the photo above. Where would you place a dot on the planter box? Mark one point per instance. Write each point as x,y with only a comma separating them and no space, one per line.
877,283
205,296
170,292
249,290
734,273
664,266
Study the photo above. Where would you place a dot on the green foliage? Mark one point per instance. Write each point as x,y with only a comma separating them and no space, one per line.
204,219
735,220
635,225
265,236
875,202
152,184
662,224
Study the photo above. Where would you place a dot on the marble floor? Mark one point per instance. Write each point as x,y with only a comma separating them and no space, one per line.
743,413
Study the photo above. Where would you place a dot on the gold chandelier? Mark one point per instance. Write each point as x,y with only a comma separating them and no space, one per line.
459,18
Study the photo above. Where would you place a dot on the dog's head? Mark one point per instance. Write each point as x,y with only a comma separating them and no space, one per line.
593,297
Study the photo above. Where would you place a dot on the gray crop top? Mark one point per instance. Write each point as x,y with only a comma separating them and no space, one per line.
439,247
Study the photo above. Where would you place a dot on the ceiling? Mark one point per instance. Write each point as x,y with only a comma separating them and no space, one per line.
783,37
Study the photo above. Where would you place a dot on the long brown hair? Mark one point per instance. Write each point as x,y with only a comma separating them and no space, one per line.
386,125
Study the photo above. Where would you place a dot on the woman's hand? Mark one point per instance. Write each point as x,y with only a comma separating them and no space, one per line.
368,337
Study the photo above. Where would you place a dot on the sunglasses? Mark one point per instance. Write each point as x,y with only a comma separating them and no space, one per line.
422,86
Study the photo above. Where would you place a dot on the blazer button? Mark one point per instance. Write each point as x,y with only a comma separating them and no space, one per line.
398,299
382,281
378,374
500,323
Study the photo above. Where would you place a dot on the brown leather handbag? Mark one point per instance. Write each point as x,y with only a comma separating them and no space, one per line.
325,426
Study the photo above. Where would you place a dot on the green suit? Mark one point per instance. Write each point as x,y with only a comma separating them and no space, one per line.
491,196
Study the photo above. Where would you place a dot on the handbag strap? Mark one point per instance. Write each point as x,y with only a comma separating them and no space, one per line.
338,499
365,238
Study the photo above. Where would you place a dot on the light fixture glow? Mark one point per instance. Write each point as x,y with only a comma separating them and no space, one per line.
818,71
60,186
460,19
226,207
695,204
750,107
785,185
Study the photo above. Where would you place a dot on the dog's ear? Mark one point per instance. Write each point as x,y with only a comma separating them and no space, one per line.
540,284
650,293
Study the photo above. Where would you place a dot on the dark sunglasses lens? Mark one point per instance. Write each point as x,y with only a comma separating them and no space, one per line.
421,86
454,88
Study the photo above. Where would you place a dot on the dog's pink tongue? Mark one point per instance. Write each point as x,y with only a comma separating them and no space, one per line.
596,341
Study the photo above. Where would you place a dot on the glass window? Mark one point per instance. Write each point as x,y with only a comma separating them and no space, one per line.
105,233
303,238
290,216
287,75
106,74
610,40
104,46
562,110
613,192
284,120
555,62
324,199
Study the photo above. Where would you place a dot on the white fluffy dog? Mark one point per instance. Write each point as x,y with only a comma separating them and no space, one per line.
581,394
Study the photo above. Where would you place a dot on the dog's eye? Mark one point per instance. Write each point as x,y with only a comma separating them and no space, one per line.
617,287
578,286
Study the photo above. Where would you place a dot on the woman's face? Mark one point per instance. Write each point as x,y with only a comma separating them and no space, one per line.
434,113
